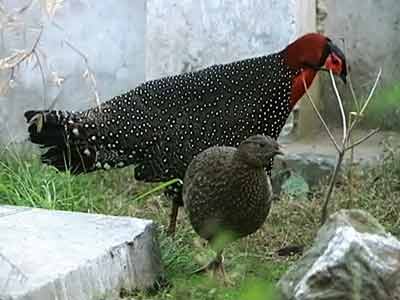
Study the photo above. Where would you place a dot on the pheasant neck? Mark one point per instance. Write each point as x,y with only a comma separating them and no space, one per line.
298,89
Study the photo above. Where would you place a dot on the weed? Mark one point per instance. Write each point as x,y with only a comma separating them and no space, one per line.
251,263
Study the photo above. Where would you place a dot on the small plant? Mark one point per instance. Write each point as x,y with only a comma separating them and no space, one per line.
348,124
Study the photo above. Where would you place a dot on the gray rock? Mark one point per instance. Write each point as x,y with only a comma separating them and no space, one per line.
352,258
297,173
278,179
47,255
311,166
296,187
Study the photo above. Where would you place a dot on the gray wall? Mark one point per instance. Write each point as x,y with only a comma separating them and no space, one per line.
371,30
110,33
185,35
126,45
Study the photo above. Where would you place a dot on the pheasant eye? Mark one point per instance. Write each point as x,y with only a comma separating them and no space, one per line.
335,61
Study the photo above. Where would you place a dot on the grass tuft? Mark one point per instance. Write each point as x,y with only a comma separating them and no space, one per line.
251,263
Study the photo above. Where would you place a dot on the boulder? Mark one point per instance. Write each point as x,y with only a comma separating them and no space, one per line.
296,187
312,167
353,257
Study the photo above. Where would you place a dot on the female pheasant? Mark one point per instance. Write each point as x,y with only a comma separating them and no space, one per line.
227,193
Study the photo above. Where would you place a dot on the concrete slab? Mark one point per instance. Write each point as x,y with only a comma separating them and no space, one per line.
76,256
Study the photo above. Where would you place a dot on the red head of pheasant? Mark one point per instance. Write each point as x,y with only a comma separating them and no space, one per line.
310,54
161,125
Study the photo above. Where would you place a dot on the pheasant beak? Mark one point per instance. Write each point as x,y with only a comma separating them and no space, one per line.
279,151
336,62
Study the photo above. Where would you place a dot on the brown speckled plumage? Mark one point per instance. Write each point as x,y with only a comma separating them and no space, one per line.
227,190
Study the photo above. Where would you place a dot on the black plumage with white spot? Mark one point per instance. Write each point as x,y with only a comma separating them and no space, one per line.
161,125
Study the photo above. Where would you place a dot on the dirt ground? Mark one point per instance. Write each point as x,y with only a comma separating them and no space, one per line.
320,143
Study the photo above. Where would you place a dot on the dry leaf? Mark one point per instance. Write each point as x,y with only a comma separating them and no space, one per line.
93,79
12,83
11,61
86,74
56,79
31,59
51,6
4,87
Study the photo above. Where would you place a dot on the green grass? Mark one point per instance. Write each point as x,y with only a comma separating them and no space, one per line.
251,263
24,181
384,110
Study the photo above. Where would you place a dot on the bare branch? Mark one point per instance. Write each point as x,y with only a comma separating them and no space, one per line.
320,116
58,97
25,8
353,93
37,40
6,85
340,102
361,112
332,182
363,139
346,136
51,6
88,73
371,92
43,78
94,86
13,61
79,52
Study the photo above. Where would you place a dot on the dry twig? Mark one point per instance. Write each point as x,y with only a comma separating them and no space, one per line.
88,73
347,129
320,116
13,61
